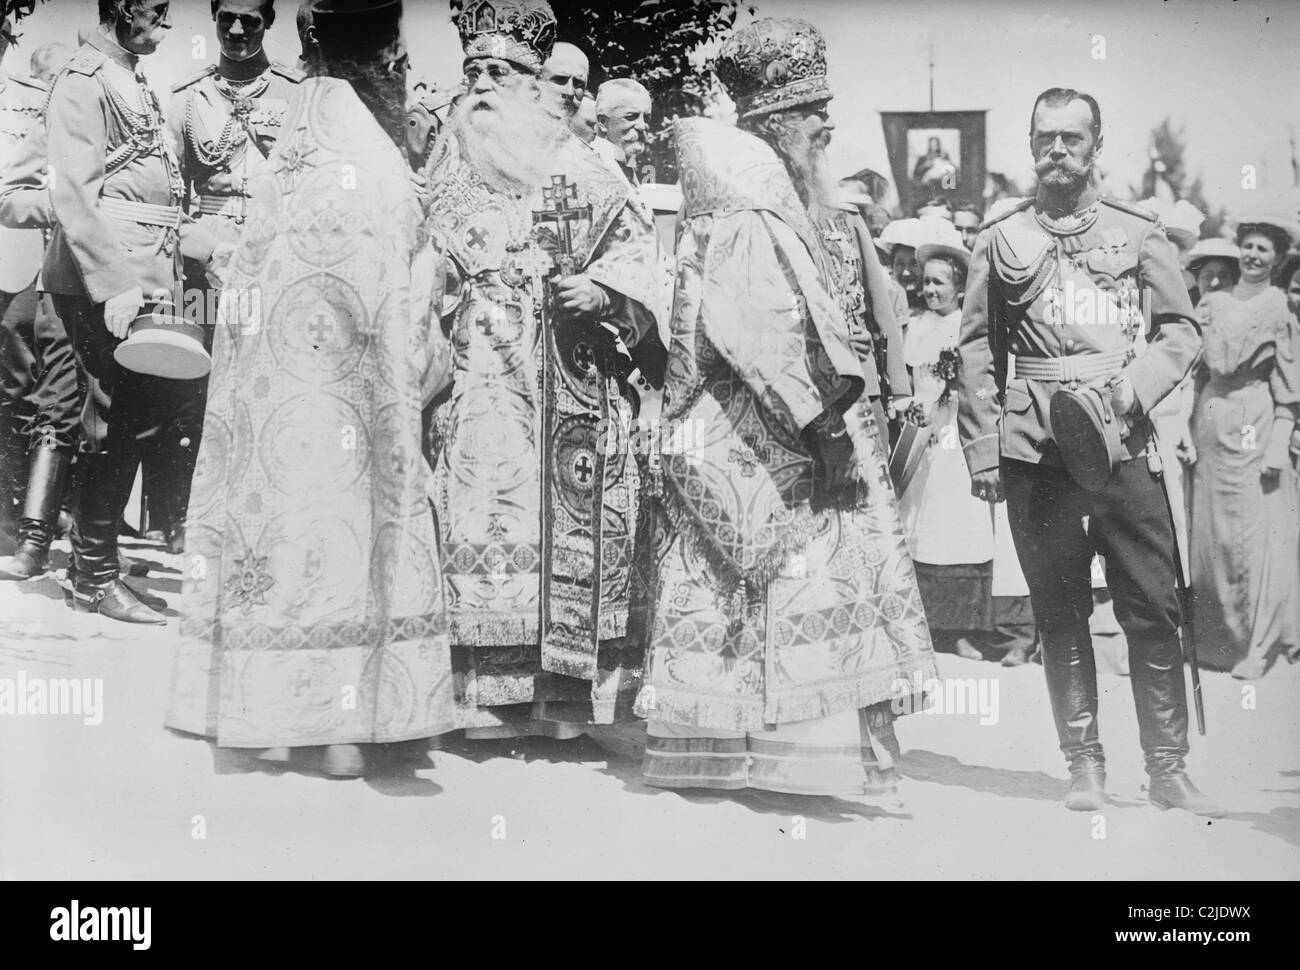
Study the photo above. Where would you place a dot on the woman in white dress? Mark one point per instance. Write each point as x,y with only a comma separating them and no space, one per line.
949,531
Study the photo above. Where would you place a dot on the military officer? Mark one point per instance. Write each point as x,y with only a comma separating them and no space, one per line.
25,326
40,402
116,196
223,123
1083,290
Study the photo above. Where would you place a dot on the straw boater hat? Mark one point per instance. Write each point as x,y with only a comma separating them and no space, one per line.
903,232
1276,218
1207,249
1181,219
929,251
519,31
773,64
937,236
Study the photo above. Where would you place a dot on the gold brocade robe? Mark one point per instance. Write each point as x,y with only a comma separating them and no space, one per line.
314,607
773,604
534,480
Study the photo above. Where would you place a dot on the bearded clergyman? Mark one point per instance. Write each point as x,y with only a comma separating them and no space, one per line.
788,630
551,312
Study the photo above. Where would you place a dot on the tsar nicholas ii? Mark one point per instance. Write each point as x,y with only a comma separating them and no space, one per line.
535,488
787,617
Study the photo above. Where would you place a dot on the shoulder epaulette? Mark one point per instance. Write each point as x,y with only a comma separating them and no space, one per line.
31,82
195,78
1020,206
86,61
1130,208
285,71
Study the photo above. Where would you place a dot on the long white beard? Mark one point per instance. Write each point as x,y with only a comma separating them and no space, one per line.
809,170
513,146
812,177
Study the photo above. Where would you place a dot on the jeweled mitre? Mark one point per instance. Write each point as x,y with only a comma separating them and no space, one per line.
520,31
774,64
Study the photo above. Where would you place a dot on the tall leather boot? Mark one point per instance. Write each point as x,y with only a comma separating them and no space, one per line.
103,490
13,466
1071,672
47,478
1160,696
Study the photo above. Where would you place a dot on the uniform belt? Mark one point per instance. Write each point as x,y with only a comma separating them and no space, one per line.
141,213
230,206
1082,368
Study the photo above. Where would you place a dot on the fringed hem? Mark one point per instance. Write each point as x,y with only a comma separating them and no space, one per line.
569,661
680,706
470,629
735,588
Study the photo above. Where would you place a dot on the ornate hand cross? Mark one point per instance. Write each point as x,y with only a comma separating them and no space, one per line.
562,211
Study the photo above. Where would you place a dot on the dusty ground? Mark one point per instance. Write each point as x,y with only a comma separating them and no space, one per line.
126,798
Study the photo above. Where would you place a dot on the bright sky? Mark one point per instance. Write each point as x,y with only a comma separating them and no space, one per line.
1228,71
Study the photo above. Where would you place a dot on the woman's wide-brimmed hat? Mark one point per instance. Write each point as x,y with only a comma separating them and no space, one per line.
929,251
918,232
1276,218
1181,219
1207,249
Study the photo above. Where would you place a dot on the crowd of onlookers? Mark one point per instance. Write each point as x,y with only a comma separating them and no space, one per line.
1227,436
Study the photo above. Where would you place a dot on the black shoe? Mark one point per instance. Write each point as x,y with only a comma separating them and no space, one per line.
30,560
1177,791
47,478
117,601
1087,791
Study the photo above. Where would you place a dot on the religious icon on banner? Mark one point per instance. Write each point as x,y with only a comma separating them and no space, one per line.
936,153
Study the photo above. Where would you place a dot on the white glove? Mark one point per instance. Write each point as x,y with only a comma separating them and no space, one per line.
120,310
218,268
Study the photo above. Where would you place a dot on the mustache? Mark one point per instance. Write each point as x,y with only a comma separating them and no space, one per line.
509,140
1066,166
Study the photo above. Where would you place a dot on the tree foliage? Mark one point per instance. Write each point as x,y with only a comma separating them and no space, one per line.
11,13
652,41
1168,145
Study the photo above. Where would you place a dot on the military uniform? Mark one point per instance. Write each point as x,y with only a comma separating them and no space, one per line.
1083,299
117,202
221,131
39,400
37,377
